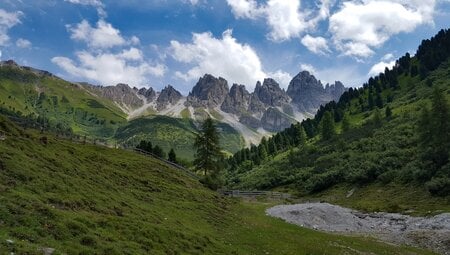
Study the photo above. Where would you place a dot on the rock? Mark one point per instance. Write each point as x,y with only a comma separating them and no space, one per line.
270,93
255,105
237,100
149,93
121,94
208,92
250,121
168,96
9,241
273,120
308,94
48,251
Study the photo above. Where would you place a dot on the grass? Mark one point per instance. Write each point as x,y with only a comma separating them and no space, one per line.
83,199
377,197
260,234
178,134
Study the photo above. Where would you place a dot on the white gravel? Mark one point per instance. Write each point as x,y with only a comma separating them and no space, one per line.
432,232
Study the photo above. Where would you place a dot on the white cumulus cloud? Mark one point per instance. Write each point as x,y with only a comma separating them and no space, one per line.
104,35
285,18
360,26
110,69
318,45
379,67
7,21
225,57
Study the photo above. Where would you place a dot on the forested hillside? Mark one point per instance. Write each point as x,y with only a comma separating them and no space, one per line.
393,129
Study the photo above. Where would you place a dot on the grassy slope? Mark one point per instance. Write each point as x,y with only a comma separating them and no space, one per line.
178,134
64,102
366,154
82,199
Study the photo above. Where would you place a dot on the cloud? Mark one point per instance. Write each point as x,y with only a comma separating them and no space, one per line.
245,8
284,18
318,45
379,67
23,43
95,3
348,75
283,78
109,69
7,21
358,27
104,35
224,57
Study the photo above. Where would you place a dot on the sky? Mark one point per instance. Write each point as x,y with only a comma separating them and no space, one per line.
159,42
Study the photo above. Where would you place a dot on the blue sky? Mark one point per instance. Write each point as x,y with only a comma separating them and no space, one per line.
160,42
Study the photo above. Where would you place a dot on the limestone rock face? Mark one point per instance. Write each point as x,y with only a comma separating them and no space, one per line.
308,93
121,94
208,92
237,101
273,120
270,93
149,94
168,96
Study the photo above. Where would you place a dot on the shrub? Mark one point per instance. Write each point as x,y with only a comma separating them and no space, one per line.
439,186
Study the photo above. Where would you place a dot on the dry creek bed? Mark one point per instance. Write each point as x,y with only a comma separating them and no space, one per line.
425,232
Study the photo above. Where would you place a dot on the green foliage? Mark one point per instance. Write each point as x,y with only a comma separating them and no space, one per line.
328,130
208,156
373,150
172,156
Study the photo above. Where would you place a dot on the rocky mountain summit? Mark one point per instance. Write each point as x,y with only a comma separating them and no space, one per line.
269,108
308,93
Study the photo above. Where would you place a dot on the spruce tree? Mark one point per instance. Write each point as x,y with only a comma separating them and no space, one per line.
440,128
345,123
172,156
327,124
388,112
301,135
208,154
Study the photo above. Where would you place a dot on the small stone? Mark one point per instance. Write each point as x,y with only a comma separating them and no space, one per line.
48,251
9,241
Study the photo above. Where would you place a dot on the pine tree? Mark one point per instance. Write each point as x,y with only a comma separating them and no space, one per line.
172,156
371,101
388,112
440,128
327,124
301,135
158,151
208,155
377,119
262,152
345,123
379,101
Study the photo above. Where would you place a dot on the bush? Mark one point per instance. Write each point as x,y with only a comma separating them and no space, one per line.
323,181
439,186
212,182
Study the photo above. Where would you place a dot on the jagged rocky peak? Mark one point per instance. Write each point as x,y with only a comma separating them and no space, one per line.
168,96
308,93
149,93
208,92
237,100
121,94
336,90
270,93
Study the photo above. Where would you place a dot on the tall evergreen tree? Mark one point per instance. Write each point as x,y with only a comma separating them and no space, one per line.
345,123
208,156
327,125
440,128
158,151
172,156
371,101
388,112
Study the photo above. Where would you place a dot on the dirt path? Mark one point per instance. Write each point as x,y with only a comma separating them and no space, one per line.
431,233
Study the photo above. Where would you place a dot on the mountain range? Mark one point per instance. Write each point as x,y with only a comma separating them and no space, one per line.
125,114
269,108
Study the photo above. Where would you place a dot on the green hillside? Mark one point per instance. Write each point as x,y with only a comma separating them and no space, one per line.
179,134
374,136
66,105
83,199
54,104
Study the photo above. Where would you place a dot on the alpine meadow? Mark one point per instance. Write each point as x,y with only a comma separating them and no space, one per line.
224,127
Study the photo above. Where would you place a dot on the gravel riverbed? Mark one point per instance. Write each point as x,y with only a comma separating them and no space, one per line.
426,232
